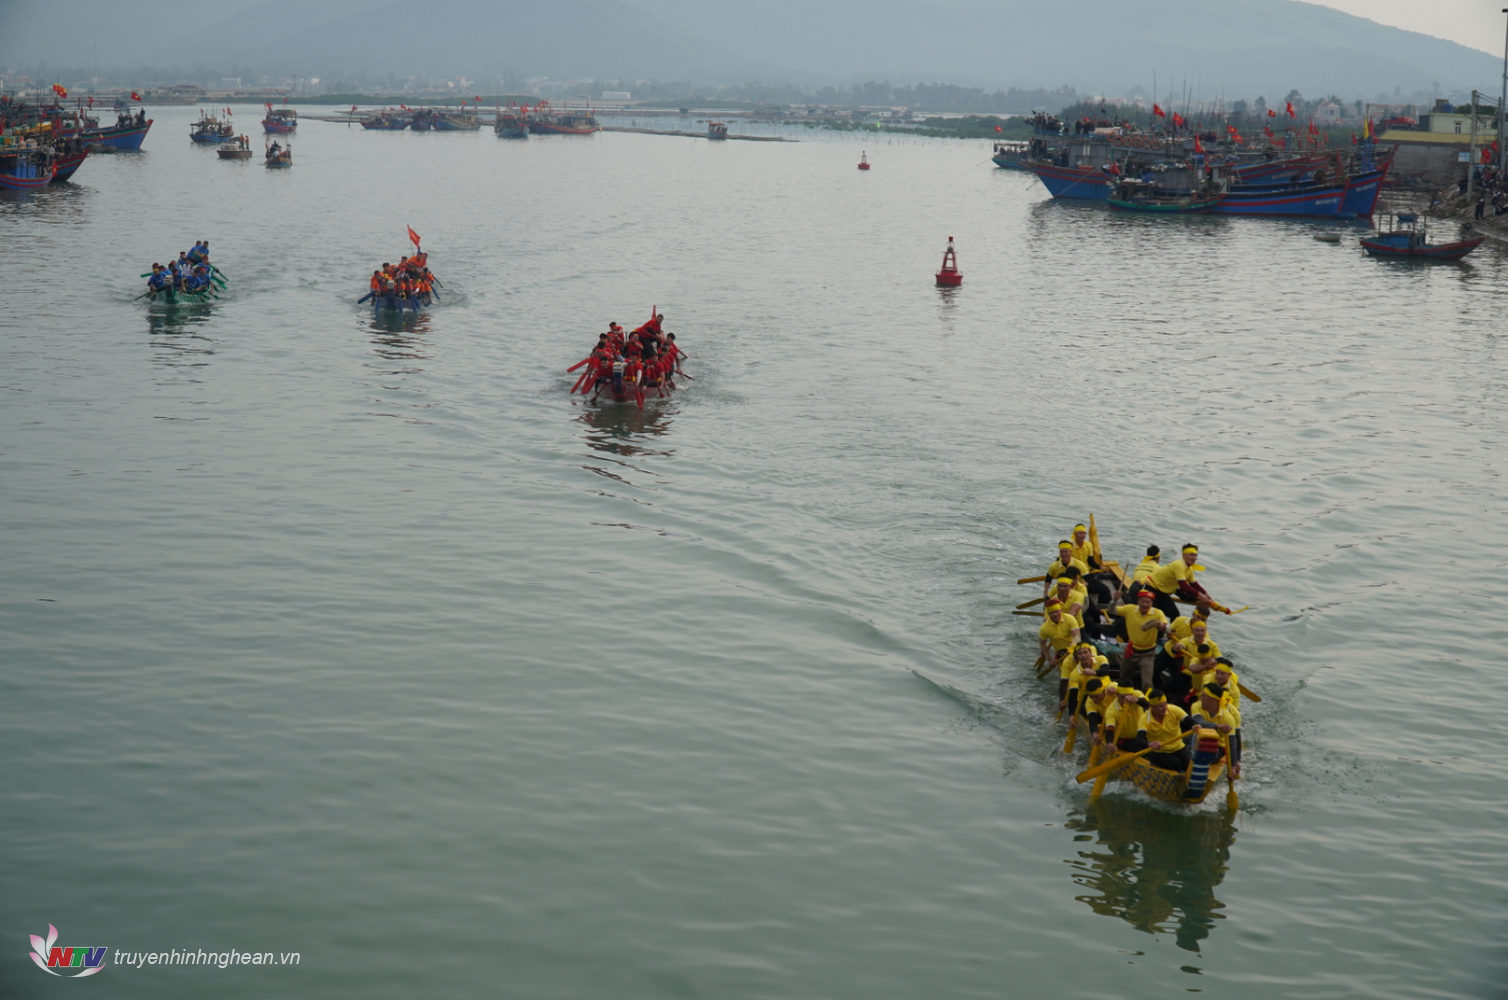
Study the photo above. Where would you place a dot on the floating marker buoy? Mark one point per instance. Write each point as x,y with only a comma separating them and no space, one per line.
949,276
863,161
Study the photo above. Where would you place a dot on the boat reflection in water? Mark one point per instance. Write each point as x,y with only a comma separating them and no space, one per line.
1155,869
612,427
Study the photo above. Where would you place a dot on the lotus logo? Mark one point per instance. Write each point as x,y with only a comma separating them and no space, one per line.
50,958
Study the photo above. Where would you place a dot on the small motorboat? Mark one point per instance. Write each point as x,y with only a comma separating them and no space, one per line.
238,148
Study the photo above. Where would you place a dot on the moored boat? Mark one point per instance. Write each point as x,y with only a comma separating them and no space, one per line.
1407,237
463,120
384,121
511,123
1132,194
68,163
26,169
545,120
126,135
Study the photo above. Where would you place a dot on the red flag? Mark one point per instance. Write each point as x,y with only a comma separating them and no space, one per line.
1178,119
135,96
1198,146
1312,129
1236,136
1230,130
353,109
999,129
227,112
267,105
479,100
1157,110
58,89
414,237
1267,131
1290,109
1271,113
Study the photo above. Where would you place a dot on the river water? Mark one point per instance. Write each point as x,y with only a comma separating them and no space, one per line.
365,640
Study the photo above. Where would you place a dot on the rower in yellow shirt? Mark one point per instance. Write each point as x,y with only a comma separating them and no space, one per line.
1177,578
1166,725
1126,721
1059,633
1144,627
1214,712
1065,559
1073,595
1084,666
1148,564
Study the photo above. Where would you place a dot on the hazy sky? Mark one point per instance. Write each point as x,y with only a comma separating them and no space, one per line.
1478,23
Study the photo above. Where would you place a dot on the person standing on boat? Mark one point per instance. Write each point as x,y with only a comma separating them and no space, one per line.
1145,626
1177,577
1166,724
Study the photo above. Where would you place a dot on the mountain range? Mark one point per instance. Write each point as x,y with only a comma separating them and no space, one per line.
1200,48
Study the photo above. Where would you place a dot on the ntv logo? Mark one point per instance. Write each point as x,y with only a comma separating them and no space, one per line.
48,958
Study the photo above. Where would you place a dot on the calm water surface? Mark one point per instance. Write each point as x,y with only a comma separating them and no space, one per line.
363,639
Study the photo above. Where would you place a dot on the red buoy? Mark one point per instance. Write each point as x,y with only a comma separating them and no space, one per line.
864,161
949,276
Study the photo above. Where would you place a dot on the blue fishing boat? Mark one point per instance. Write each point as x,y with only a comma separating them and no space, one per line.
26,169
1406,237
209,130
280,121
386,122
512,123
127,135
464,120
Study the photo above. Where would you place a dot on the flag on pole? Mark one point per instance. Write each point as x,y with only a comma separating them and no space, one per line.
1198,146
1178,120
414,237
1290,109
1157,110
135,96
1271,113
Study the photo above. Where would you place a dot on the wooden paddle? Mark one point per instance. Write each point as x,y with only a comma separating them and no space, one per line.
1073,735
1094,541
365,297
1232,800
1024,579
1248,692
1046,669
1111,765
1032,603
1029,614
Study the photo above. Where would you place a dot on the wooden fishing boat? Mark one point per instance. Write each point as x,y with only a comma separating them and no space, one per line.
1132,195
210,130
717,130
512,123
464,120
384,122
545,120
120,137
68,163
278,155
280,120
1406,237
26,169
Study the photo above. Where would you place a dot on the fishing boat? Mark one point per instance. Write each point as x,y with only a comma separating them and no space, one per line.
1132,194
279,121
211,130
462,120
421,120
278,155
126,135
24,168
1406,237
238,148
1010,155
545,120
384,121
717,130
67,164
512,123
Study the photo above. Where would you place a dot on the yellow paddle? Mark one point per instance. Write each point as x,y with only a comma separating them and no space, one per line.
1033,602
1111,765
1046,668
1094,541
1248,692
1232,800
1073,735
1032,579
1029,614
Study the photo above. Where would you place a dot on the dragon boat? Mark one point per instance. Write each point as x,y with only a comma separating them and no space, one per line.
1208,762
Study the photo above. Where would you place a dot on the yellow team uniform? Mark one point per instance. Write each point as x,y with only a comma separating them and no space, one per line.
1141,641
1061,635
1168,731
1167,577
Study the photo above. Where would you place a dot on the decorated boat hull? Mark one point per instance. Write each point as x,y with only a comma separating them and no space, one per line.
68,164
26,171
396,304
1401,247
